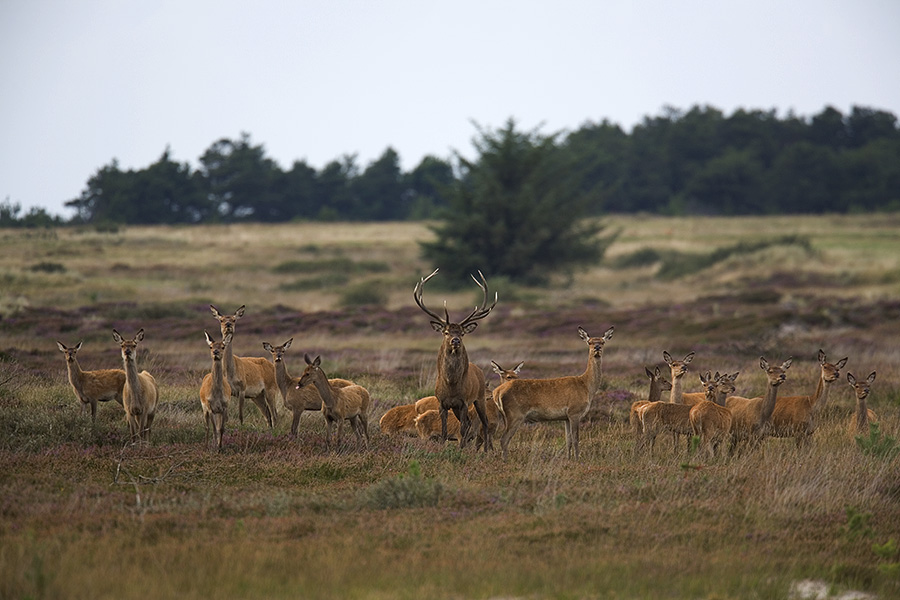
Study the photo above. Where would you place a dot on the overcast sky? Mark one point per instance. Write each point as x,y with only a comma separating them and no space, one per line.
83,82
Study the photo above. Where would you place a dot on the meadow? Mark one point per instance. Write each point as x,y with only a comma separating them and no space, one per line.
84,514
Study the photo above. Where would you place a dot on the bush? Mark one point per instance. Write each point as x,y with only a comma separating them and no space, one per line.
404,491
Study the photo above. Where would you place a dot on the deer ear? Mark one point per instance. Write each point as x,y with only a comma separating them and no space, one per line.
841,363
584,334
787,364
688,358
139,336
763,363
317,362
519,367
287,344
470,327
667,357
117,337
60,346
607,335
239,312
214,310
650,373
266,345
821,356
437,326
851,379
496,368
209,340
870,378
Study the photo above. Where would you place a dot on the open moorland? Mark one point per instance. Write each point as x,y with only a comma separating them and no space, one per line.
86,514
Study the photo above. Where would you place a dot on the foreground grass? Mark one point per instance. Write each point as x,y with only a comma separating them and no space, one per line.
86,516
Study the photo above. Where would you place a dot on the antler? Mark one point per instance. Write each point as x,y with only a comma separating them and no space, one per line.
417,295
480,313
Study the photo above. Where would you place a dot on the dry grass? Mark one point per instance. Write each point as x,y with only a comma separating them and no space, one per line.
82,515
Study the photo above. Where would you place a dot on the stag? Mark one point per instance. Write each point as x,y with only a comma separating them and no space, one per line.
459,383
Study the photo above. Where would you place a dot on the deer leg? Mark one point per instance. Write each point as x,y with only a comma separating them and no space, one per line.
463,415
295,422
485,428
364,425
260,401
443,413
576,425
512,425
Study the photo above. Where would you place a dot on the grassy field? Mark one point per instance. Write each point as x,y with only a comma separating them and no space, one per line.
85,515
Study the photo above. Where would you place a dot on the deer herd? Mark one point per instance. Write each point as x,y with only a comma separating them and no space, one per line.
463,408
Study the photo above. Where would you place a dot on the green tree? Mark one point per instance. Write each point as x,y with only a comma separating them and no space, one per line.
379,190
107,197
241,181
514,212
426,187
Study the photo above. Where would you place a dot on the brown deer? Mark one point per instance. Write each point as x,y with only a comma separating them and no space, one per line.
249,377
459,383
91,387
215,391
795,416
658,385
751,417
711,419
399,420
565,399
296,400
668,418
859,423
338,403
140,392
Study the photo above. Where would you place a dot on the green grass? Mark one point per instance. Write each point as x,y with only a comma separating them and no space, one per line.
83,514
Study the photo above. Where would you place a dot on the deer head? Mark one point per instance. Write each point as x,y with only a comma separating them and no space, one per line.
217,349
679,367
831,372
454,332
69,352
278,351
129,347
226,323
775,374
861,387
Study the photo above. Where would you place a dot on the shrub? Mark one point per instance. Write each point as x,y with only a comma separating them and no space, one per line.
404,491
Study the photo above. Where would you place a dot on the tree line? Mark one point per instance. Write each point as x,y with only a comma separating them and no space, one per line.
698,161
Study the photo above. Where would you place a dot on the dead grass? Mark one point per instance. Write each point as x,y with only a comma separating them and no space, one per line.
82,515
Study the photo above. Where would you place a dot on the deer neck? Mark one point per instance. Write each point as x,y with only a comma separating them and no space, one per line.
655,391
821,396
720,397
218,377
592,374
862,415
452,366
131,375
675,396
228,360
768,403
76,375
281,376
324,388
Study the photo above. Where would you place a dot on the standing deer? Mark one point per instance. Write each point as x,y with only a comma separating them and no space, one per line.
338,403
751,417
565,399
249,377
658,385
795,416
91,387
140,393
711,419
296,399
672,416
859,423
215,391
459,383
